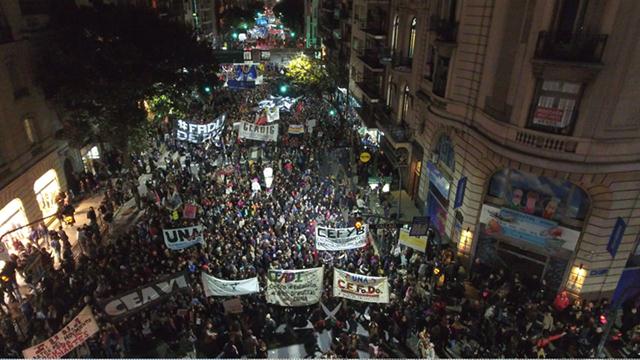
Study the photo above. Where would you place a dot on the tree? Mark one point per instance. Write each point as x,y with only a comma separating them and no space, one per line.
108,68
291,13
240,17
309,73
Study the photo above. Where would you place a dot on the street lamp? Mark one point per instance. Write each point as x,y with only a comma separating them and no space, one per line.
234,35
283,89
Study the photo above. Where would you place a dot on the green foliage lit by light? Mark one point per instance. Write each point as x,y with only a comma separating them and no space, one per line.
305,71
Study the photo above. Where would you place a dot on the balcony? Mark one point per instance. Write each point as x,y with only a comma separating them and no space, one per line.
370,90
445,29
402,63
375,30
397,133
575,48
371,59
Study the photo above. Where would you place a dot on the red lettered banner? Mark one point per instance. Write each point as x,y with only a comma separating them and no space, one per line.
359,287
71,336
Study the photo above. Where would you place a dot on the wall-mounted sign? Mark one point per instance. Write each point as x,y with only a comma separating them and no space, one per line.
462,187
438,180
616,237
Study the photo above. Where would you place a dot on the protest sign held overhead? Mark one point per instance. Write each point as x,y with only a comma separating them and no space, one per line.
199,133
135,300
182,238
258,132
359,287
76,332
218,287
294,287
330,239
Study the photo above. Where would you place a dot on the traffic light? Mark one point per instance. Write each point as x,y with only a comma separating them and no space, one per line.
283,89
293,34
244,26
332,112
234,35
207,89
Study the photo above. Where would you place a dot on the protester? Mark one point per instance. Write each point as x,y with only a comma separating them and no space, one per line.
248,232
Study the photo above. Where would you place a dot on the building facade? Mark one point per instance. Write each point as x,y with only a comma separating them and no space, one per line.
33,165
335,37
515,126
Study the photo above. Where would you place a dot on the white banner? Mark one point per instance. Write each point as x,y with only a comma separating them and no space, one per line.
199,133
182,238
294,287
359,287
273,114
296,129
218,287
329,239
258,132
76,332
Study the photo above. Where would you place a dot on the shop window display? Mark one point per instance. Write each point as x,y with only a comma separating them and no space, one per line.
46,188
12,217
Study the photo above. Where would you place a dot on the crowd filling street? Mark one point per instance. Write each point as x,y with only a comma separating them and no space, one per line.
252,225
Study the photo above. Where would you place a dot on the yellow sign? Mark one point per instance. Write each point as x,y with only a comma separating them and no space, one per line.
415,242
365,157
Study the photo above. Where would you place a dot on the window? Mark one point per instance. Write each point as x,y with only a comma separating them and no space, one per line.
446,155
405,103
394,34
16,79
440,76
554,109
430,66
389,92
5,30
569,19
29,130
412,38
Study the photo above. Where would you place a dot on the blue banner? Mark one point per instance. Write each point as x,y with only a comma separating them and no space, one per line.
616,237
236,84
438,180
462,187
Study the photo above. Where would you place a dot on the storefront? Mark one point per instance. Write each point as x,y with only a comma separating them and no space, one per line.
89,155
437,203
12,217
46,188
531,224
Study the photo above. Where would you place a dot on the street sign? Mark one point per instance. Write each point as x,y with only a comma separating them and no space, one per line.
365,157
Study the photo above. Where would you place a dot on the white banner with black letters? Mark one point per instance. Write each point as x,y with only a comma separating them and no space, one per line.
218,287
182,238
199,133
371,289
294,287
330,239
258,132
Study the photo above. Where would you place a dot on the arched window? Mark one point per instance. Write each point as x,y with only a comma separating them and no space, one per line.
405,103
389,93
412,38
29,130
394,33
446,155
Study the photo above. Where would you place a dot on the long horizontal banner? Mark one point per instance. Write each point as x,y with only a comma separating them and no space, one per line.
359,287
330,239
182,238
76,332
294,287
218,287
258,132
199,133
133,301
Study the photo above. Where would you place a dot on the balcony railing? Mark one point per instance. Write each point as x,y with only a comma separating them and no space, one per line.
372,57
370,89
402,62
397,132
580,47
445,29
374,29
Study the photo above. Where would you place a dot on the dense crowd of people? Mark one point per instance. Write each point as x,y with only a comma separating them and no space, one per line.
435,302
